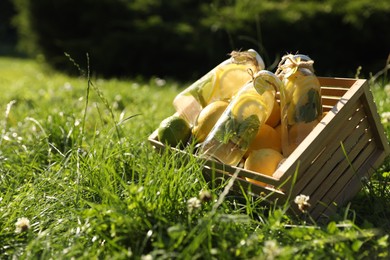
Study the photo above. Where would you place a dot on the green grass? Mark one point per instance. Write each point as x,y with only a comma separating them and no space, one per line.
75,161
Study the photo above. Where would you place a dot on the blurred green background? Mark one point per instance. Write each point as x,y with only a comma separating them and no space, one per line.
183,39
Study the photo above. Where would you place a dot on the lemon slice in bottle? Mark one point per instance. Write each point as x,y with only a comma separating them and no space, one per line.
230,79
247,105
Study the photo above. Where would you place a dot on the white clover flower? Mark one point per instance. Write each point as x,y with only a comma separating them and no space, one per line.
147,257
193,203
271,249
385,116
205,195
387,89
23,224
160,82
302,201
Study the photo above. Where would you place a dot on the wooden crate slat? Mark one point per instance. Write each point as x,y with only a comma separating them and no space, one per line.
327,174
258,176
318,173
339,194
352,187
379,151
220,177
258,190
242,172
321,162
378,130
326,108
330,144
318,137
333,91
329,101
317,190
338,82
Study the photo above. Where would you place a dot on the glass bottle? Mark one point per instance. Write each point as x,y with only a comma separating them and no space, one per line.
300,100
221,83
238,125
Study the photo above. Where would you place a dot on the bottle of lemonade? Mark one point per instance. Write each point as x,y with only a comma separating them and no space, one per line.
237,127
221,83
300,100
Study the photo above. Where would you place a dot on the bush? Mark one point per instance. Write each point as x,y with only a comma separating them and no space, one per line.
121,37
184,39
339,35
7,31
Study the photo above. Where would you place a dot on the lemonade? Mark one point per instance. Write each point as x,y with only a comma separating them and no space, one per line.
221,83
300,100
235,130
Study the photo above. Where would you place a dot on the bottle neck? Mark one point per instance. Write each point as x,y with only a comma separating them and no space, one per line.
291,63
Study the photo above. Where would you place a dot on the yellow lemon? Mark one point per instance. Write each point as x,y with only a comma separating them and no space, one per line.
274,118
207,119
266,137
247,105
278,129
230,79
174,131
207,92
264,161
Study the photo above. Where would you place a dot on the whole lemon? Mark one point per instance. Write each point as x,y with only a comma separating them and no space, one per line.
278,130
173,131
266,137
264,161
274,118
207,119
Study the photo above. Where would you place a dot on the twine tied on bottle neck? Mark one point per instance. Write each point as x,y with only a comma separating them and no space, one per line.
289,64
242,57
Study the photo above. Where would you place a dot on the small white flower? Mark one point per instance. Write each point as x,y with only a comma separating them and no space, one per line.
385,116
146,257
160,82
205,195
271,249
193,203
23,224
387,89
302,201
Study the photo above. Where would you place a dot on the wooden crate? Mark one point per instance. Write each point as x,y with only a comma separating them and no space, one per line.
346,146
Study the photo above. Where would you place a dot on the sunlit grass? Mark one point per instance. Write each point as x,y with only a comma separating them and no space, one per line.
92,186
